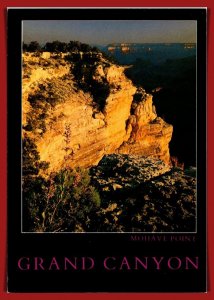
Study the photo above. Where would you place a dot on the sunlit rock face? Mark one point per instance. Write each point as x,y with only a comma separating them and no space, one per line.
70,129
149,134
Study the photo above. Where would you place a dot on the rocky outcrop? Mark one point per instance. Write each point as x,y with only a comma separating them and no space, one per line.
70,129
122,171
149,134
142,194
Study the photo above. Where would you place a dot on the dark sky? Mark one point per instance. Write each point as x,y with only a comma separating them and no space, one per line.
110,31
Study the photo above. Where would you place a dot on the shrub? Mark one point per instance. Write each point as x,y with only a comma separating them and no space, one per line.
32,47
56,46
64,202
84,75
30,157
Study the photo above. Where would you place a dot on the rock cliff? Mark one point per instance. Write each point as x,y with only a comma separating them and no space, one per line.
62,115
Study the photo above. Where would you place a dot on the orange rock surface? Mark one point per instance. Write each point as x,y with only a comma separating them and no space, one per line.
77,133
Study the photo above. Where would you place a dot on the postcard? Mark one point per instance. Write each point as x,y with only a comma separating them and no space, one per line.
107,150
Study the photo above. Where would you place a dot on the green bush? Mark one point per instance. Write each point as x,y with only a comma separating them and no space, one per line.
30,157
84,76
31,47
64,202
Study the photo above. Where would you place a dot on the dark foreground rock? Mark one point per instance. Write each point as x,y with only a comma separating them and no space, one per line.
124,171
143,195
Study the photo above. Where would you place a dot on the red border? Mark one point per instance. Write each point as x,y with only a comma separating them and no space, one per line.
3,171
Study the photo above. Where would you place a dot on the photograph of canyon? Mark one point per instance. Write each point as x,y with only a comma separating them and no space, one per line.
109,126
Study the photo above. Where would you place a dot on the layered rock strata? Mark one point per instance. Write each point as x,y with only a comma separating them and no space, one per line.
68,127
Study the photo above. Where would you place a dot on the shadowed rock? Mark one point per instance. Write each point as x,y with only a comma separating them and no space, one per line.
144,195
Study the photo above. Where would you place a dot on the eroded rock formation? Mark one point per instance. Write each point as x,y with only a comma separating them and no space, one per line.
68,126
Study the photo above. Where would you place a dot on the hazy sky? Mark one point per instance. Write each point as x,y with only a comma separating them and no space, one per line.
110,31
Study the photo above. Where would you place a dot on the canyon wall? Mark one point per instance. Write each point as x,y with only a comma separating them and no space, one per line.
68,127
